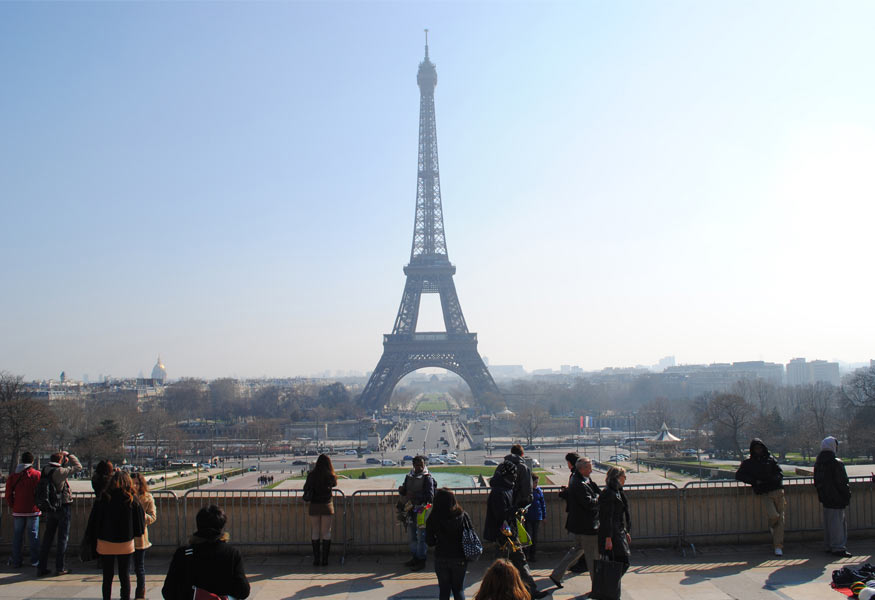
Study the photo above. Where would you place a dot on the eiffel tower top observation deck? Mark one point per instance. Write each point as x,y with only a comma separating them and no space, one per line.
429,272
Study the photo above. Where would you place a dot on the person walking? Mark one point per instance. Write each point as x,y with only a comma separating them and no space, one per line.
116,520
208,562
536,513
614,538
20,488
443,530
57,523
502,582
319,488
418,491
142,543
834,493
571,462
761,471
582,505
500,523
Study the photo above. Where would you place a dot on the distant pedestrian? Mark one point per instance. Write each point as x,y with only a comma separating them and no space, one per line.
443,529
20,488
116,520
320,484
61,466
418,492
536,513
614,521
502,582
142,543
582,505
762,472
834,493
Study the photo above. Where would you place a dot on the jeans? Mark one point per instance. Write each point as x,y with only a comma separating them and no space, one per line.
124,561
417,541
57,522
451,577
532,527
140,571
22,525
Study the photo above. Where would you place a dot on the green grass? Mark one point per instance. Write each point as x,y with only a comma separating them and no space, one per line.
432,406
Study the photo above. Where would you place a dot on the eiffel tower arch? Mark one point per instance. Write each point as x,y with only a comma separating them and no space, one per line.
429,272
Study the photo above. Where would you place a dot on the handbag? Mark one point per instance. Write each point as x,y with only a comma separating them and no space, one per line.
471,545
606,575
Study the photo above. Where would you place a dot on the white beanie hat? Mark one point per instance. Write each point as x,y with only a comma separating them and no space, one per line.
830,443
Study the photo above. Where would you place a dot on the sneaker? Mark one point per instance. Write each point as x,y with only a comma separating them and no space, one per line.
779,552
557,583
62,572
843,553
34,564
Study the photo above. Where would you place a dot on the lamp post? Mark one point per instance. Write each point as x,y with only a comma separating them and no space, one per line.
165,471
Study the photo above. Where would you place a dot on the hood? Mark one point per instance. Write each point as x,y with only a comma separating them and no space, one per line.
513,458
830,443
504,476
758,442
414,474
23,467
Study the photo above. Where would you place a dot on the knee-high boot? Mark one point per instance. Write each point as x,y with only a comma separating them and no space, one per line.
326,548
316,558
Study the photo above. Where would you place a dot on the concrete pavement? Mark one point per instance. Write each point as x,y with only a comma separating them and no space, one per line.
716,573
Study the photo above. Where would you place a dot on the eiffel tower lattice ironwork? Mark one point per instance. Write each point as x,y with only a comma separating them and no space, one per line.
429,272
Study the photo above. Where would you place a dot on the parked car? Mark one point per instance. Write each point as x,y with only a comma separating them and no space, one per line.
299,462
490,462
351,453
436,460
373,461
454,461
389,463
408,457
253,468
618,457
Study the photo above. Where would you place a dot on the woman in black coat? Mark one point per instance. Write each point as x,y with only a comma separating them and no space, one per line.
116,519
320,485
443,529
614,521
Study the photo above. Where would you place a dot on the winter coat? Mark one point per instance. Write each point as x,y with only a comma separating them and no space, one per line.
522,491
150,514
762,472
831,481
115,519
60,475
321,490
582,505
446,536
213,565
499,508
20,488
538,509
425,495
614,521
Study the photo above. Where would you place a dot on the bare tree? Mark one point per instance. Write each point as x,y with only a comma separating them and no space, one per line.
529,420
24,422
859,389
730,415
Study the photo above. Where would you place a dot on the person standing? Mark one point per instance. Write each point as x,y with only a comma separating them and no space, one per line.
582,505
320,485
615,524
61,466
536,513
102,474
418,490
116,520
522,491
443,530
761,471
142,543
834,493
20,487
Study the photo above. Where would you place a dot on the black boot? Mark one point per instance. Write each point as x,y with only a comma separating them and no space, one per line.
326,548
316,558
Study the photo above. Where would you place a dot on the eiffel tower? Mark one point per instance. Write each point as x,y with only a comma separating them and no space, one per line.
429,272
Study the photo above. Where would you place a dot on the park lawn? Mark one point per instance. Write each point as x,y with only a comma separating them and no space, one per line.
432,406
473,471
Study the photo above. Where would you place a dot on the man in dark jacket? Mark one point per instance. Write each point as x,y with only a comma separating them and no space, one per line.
762,472
208,562
61,466
418,491
582,505
834,493
20,488
522,491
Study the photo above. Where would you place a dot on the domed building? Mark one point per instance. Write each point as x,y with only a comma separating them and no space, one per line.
159,373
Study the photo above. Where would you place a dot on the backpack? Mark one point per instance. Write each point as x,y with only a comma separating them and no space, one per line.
47,497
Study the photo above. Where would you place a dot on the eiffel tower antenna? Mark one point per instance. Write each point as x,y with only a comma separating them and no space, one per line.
428,272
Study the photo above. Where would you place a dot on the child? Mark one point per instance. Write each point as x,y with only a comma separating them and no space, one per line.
536,513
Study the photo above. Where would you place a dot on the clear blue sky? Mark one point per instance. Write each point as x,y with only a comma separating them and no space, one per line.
232,185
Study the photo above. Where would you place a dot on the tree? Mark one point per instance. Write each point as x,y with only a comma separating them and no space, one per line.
24,422
654,413
100,443
859,389
730,415
529,420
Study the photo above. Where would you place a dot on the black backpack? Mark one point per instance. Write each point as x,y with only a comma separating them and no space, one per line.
47,497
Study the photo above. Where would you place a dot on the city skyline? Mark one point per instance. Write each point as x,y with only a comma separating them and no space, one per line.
232,186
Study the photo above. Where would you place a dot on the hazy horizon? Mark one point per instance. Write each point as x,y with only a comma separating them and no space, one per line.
232,185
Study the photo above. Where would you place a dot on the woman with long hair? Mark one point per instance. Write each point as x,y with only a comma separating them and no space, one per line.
614,521
443,529
116,519
320,483
142,543
502,581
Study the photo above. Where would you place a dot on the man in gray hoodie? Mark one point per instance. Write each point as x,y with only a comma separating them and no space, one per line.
61,466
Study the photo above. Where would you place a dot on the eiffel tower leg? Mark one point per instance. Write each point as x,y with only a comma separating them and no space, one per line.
379,388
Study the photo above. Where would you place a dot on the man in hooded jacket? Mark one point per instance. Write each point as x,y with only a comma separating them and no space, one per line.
762,472
834,493
418,490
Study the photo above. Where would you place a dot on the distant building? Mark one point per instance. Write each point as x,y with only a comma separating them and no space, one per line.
665,362
507,371
800,372
159,373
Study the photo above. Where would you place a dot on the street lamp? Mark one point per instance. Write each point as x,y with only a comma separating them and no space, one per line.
165,471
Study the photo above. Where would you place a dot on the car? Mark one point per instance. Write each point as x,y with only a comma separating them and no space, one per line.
373,461
489,462
403,447
299,462
253,468
389,463
436,460
409,438
536,464
407,457
350,452
454,461
618,457
283,460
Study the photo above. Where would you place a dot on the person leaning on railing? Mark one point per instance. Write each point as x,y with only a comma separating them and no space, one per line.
762,472
319,488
